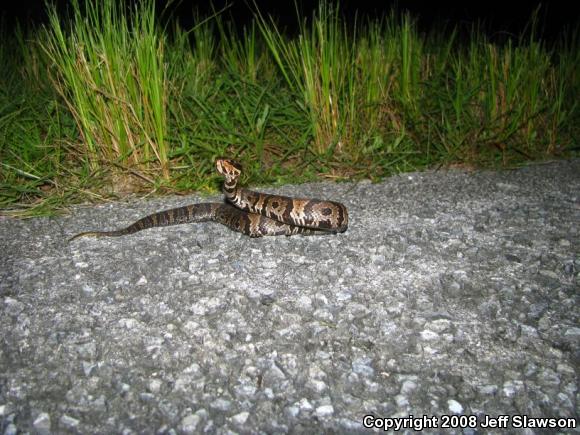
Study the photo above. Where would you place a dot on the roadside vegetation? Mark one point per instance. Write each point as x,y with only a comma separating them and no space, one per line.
108,102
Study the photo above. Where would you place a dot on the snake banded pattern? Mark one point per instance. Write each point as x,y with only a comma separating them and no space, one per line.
251,213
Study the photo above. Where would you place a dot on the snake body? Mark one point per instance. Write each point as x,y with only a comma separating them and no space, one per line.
254,214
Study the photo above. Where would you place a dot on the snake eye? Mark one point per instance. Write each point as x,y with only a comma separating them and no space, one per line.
236,166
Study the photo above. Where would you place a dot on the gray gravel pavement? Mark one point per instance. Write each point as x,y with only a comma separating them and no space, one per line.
452,299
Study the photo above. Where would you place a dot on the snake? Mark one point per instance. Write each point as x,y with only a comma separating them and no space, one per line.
251,213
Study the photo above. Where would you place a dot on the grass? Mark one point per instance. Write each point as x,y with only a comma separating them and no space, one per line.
106,102
109,70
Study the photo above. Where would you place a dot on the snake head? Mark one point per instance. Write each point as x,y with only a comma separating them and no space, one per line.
229,168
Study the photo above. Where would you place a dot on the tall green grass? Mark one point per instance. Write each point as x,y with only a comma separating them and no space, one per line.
32,129
107,90
319,67
497,102
109,68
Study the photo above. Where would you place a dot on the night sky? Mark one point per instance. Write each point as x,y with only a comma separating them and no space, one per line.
500,17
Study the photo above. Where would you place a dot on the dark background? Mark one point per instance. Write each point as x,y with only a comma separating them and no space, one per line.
498,17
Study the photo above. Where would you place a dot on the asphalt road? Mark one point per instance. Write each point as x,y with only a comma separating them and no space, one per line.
451,300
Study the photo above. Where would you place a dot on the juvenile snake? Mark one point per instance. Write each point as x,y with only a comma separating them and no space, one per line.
254,214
